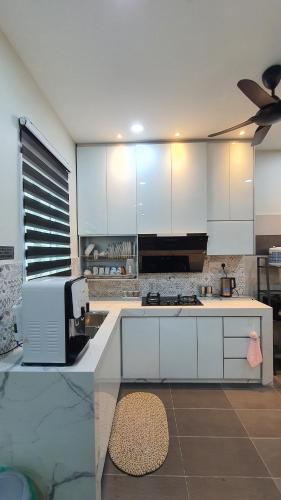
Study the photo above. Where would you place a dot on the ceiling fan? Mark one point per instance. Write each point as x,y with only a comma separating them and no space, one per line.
270,105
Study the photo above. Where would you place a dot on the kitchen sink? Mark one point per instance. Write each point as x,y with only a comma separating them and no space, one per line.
93,321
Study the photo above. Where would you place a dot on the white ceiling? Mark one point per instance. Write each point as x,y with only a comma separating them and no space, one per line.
170,64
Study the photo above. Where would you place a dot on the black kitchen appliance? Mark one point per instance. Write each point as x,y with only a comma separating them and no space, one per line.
172,254
155,299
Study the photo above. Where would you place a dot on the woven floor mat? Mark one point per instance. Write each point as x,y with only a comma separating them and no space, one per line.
139,440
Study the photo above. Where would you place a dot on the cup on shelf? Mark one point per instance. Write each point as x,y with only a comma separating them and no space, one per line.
107,271
101,271
96,254
95,270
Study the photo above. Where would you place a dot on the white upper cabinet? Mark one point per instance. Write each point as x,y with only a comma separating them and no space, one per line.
189,188
241,181
91,190
230,181
153,188
121,189
218,181
231,237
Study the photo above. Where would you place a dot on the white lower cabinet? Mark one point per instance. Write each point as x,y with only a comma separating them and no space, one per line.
239,369
140,348
236,342
178,348
241,327
210,348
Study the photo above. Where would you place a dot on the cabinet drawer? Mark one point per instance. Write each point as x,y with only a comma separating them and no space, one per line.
241,327
236,347
240,369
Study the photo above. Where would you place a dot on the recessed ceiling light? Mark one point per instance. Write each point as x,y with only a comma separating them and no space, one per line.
242,132
177,134
248,180
137,128
119,136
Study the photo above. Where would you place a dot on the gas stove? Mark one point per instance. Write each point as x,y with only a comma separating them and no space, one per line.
155,299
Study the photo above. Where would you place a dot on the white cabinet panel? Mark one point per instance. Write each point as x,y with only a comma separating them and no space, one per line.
121,189
189,188
241,327
178,348
236,347
218,181
240,369
210,348
241,181
153,188
140,348
91,190
230,238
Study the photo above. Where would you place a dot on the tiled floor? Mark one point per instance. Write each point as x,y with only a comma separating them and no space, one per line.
225,443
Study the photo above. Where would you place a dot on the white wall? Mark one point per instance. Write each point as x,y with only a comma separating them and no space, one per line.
20,96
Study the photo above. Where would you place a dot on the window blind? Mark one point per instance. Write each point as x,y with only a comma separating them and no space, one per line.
46,209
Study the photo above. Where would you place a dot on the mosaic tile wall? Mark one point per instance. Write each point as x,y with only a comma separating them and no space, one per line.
171,284
10,293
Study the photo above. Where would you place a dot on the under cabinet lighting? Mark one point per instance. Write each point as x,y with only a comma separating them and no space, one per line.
177,134
242,132
119,136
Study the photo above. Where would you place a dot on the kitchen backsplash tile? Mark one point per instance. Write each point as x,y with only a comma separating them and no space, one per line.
10,293
171,284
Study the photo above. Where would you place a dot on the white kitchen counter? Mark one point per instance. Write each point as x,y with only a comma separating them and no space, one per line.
117,308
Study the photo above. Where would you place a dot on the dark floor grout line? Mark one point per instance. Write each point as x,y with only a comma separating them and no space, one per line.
179,443
253,444
191,476
199,436
227,409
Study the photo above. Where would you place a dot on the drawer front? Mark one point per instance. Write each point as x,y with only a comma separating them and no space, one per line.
240,369
236,347
241,327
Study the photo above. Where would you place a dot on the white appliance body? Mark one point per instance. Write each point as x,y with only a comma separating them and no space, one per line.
50,308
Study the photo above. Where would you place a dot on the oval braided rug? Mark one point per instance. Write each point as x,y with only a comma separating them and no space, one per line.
139,440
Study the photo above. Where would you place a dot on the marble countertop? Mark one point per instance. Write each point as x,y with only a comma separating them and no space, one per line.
117,308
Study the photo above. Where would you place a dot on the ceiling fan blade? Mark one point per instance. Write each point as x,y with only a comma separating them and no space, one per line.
240,125
260,134
255,93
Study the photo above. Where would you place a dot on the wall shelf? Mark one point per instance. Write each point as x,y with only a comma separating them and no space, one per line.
113,247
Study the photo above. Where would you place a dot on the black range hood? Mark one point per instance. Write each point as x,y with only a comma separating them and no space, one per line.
172,253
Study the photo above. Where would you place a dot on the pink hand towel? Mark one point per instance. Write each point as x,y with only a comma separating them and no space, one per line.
254,355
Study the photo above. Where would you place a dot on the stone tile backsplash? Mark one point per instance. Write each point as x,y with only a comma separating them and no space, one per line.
10,293
171,284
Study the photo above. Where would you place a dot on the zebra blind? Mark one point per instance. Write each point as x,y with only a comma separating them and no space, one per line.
46,210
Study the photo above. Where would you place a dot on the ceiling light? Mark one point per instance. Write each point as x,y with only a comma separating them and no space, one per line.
242,132
119,136
137,128
177,134
248,180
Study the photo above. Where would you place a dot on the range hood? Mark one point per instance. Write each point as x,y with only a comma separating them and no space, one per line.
172,253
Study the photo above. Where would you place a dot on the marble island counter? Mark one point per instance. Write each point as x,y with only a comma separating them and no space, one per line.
56,421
